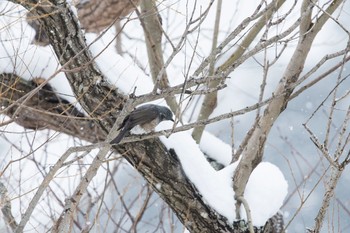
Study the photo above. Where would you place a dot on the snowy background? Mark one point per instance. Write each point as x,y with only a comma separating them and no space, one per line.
289,152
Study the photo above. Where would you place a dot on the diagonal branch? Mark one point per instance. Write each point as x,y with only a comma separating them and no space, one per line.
210,100
44,110
253,152
103,103
151,24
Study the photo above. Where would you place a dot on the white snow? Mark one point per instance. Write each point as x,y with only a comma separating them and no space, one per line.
221,152
265,191
267,186
121,71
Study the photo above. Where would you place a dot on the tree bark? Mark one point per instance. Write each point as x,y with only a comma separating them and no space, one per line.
103,103
44,110
151,24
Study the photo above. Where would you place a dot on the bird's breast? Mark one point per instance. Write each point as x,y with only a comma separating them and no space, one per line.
149,127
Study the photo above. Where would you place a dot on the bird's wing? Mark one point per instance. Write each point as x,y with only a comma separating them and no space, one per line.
122,125
142,115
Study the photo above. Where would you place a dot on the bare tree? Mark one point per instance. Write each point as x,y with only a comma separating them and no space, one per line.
272,28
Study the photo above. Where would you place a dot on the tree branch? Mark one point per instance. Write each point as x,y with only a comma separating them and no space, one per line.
103,103
45,109
210,100
150,21
253,152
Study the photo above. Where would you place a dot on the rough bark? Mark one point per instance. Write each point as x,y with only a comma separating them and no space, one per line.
103,103
44,110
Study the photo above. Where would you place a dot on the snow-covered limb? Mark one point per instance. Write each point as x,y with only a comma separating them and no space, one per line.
103,102
266,188
101,81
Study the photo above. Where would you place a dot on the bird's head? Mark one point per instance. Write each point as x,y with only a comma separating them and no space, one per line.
165,114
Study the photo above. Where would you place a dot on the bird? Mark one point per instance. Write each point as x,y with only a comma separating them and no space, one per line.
146,116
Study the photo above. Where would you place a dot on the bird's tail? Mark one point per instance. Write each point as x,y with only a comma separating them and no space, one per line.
119,137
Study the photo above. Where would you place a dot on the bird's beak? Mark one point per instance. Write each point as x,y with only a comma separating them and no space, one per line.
172,120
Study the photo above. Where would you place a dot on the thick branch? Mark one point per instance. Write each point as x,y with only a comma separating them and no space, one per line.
102,102
44,110
253,151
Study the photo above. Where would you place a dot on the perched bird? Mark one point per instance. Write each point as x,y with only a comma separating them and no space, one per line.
147,117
